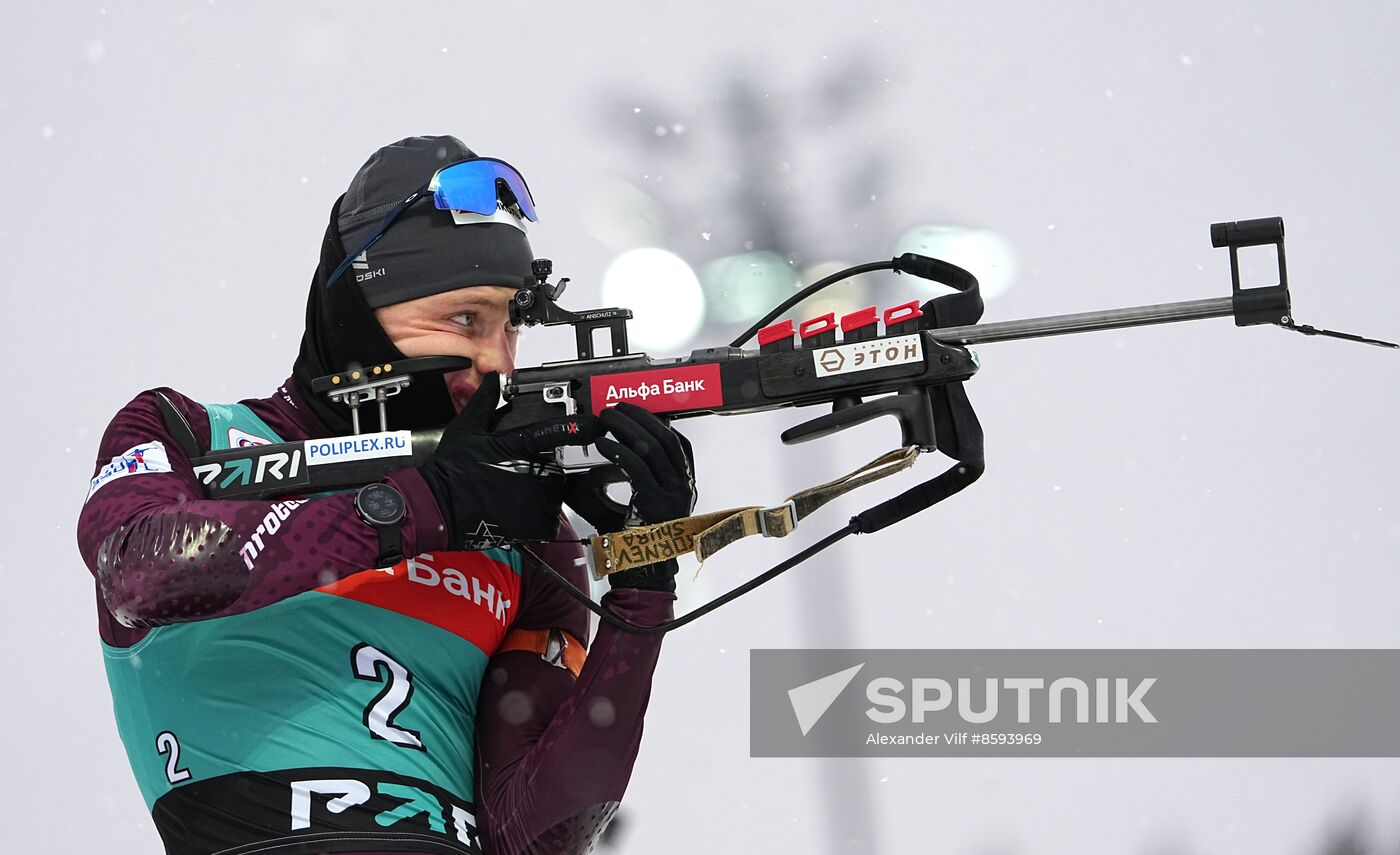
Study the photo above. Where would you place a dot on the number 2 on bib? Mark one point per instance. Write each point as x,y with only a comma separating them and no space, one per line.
370,663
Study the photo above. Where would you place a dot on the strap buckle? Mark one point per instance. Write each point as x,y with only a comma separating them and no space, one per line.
791,507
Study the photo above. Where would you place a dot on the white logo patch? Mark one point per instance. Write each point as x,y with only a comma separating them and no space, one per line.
867,355
366,446
140,459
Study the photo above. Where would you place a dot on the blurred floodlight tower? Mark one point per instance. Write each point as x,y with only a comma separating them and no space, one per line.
767,193
762,197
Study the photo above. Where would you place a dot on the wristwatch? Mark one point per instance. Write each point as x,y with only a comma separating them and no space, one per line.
383,507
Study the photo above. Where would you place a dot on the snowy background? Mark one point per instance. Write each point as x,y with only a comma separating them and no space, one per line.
167,170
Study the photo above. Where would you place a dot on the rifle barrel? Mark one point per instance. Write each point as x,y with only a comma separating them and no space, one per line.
1136,316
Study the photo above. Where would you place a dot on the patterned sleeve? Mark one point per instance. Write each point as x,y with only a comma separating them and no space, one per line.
555,753
162,553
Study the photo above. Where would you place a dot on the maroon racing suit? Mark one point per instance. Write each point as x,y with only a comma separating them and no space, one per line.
553,751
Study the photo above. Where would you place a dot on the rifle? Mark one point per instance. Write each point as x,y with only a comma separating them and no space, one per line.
909,362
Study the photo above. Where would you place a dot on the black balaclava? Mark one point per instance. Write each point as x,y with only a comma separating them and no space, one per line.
424,252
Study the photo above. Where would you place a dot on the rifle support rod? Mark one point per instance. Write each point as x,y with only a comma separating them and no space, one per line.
1137,316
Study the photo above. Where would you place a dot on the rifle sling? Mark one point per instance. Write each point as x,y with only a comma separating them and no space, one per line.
706,534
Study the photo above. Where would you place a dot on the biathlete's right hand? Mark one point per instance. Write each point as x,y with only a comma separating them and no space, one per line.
492,488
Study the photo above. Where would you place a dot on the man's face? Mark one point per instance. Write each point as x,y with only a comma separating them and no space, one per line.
472,322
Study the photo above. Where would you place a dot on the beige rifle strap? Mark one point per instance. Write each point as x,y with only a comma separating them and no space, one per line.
706,534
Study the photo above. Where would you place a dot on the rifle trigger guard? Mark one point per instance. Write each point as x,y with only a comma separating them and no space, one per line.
912,407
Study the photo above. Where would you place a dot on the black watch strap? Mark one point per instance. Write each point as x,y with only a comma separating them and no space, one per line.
382,507
390,545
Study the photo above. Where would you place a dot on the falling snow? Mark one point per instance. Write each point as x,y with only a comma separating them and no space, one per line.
601,712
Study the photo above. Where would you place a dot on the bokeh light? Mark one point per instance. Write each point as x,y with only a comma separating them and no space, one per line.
663,294
741,288
986,254
841,298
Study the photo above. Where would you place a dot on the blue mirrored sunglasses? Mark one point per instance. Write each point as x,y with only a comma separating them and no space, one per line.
482,185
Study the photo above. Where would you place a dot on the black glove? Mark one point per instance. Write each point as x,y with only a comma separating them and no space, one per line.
494,488
661,466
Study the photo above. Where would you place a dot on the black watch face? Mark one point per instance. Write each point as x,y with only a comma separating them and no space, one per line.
380,504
